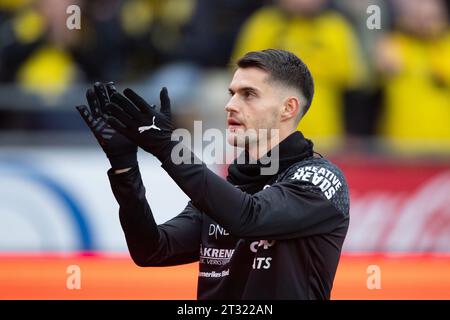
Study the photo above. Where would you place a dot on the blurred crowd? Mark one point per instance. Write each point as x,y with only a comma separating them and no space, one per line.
388,85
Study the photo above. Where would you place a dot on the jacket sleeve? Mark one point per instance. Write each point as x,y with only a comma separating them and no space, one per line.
289,209
177,241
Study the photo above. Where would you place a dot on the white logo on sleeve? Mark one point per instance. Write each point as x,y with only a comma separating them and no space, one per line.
326,180
145,128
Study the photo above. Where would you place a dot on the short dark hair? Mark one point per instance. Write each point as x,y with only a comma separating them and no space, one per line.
284,67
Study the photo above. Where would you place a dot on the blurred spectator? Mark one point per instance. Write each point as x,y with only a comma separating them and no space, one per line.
362,106
153,31
356,12
325,41
414,61
36,52
118,40
210,35
206,41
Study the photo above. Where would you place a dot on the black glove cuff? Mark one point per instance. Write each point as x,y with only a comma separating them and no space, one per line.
123,161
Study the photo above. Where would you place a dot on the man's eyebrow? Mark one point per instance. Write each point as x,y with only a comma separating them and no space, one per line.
252,89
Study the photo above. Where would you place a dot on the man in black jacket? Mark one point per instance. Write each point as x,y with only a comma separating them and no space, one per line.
256,236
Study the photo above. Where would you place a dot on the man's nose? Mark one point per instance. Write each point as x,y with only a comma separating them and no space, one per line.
231,106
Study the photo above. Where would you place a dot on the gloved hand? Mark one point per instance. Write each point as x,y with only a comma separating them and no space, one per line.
142,123
121,152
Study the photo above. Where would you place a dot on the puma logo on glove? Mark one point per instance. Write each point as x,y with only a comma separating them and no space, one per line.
145,128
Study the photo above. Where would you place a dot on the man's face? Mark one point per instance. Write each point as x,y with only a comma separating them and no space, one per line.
255,104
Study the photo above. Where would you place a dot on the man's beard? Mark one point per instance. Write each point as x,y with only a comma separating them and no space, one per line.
241,138
254,139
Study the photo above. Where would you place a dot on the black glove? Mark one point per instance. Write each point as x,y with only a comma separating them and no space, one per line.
142,123
121,152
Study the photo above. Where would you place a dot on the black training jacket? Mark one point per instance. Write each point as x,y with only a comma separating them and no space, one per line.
255,237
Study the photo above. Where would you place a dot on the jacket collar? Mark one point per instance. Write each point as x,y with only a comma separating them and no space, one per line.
247,176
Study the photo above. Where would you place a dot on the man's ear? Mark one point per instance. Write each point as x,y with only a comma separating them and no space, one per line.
291,108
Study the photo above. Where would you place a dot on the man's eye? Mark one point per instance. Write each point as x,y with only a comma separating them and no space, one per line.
248,94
